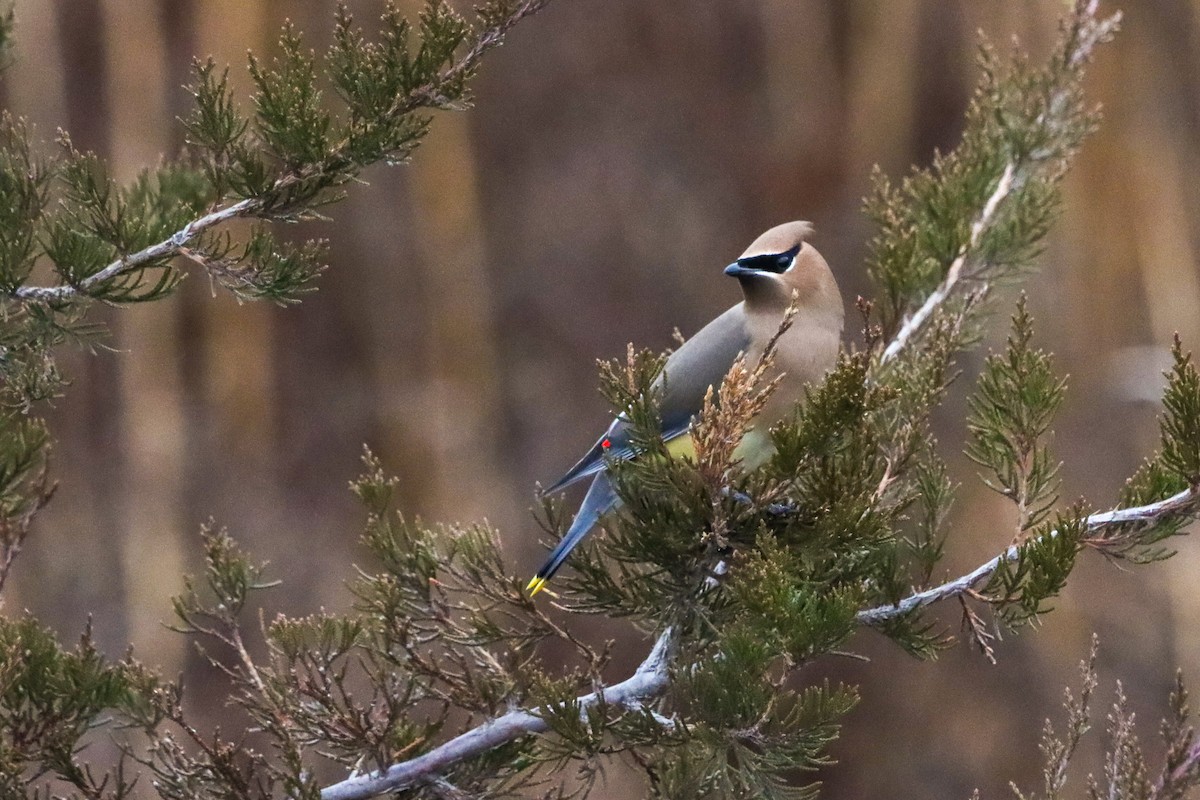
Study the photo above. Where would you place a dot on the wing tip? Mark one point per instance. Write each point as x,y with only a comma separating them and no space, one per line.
576,473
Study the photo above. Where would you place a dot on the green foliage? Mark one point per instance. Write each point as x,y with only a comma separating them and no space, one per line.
1169,472
1152,481
976,216
659,560
803,544
1140,540
24,486
7,23
1020,586
935,495
312,678
229,578
292,122
832,466
216,132
49,699
750,734
981,209
778,607
1181,418
123,244
370,77
24,187
269,270
826,471
1010,417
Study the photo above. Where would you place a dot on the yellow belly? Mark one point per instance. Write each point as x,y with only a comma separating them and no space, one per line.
754,450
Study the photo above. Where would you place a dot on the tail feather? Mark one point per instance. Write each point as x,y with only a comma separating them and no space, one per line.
599,500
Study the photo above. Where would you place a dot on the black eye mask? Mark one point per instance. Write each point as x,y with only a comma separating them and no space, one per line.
771,262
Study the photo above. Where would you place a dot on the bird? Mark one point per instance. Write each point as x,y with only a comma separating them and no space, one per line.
778,268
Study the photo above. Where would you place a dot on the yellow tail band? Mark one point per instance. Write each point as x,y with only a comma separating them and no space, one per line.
535,586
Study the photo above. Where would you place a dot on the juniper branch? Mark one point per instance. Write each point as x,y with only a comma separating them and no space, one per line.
916,322
1016,173
1184,503
649,680
1175,782
335,162
167,248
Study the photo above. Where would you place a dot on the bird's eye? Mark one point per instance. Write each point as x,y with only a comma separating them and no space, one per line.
783,261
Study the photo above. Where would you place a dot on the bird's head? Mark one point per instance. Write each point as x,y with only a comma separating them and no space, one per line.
773,254
780,262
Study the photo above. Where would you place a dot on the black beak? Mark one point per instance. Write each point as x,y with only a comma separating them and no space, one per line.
736,270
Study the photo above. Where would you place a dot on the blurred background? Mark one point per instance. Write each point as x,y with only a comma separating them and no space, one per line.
620,153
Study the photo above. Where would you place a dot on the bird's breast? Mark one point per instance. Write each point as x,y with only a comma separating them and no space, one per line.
803,356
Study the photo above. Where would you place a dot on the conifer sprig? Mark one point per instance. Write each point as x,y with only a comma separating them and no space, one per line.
50,698
1010,417
1176,510
978,213
122,244
277,165
947,235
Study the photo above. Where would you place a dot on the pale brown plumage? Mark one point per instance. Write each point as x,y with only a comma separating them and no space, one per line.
778,264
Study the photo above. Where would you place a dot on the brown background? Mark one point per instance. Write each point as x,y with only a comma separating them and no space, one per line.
620,153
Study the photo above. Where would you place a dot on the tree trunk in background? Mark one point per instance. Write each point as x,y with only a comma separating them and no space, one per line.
94,420
460,418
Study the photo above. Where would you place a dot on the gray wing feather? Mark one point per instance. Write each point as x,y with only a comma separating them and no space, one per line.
700,362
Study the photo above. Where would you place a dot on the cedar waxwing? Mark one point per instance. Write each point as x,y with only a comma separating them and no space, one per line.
778,264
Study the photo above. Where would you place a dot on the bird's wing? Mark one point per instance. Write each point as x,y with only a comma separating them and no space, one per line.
699,363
